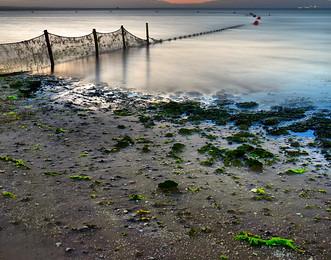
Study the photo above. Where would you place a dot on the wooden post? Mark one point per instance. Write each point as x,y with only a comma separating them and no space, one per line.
49,48
95,36
123,37
147,34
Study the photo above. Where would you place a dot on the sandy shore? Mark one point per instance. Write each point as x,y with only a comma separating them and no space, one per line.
80,170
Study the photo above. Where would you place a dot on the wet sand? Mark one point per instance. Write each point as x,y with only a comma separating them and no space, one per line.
82,192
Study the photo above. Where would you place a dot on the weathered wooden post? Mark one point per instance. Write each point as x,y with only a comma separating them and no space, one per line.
49,48
147,35
123,37
95,36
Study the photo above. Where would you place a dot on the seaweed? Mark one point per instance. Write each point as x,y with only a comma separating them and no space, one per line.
211,150
188,131
192,110
122,112
209,136
146,120
18,162
83,154
247,155
8,194
220,171
259,191
208,162
146,149
169,135
122,142
143,140
295,171
176,149
168,185
52,174
242,137
255,240
246,119
60,130
247,105
80,177
136,197
193,189
12,98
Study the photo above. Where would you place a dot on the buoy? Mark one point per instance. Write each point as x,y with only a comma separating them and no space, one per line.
259,18
256,22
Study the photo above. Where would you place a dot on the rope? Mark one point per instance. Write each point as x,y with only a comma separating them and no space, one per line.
195,34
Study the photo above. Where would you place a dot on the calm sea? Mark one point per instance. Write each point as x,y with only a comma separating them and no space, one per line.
287,58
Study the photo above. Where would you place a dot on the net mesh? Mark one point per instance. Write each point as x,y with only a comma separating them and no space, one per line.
69,48
33,54
24,56
110,41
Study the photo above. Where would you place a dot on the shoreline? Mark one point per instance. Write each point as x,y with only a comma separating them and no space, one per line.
87,181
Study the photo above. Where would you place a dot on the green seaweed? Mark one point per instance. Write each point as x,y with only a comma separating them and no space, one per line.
193,111
122,142
60,130
295,171
211,150
259,191
12,98
136,197
255,240
146,149
169,135
80,177
247,105
176,149
188,131
193,189
19,163
8,194
242,137
83,154
208,162
122,112
52,174
168,185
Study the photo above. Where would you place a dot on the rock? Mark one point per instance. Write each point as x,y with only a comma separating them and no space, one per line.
69,249
58,244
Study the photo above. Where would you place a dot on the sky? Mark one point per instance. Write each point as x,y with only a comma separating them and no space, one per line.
164,3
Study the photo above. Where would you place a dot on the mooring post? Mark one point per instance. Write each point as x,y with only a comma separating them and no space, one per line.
147,34
95,36
123,37
49,48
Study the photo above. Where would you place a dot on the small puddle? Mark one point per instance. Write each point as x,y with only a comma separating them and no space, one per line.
306,134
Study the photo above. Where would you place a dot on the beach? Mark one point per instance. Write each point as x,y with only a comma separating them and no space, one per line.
93,172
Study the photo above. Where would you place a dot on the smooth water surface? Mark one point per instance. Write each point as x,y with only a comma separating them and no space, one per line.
287,57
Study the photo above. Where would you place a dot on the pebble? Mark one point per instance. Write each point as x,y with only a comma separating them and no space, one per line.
69,249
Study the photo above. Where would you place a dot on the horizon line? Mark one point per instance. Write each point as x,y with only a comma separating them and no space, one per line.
40,8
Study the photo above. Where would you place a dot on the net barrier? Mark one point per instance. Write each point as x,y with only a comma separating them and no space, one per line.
51,49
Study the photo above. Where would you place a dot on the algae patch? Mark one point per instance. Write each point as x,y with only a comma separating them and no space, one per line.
255,240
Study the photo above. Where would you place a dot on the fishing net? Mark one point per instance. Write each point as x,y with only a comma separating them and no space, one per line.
132,40
110,41
33,54
70,48
24,56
